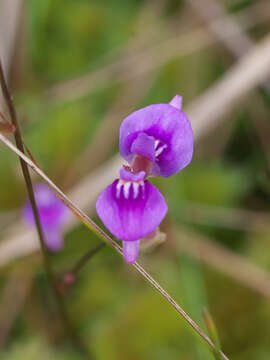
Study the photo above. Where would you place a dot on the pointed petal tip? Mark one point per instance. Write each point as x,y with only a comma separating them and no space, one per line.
177,102
130,251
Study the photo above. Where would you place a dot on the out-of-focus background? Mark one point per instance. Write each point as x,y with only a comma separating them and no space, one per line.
76,69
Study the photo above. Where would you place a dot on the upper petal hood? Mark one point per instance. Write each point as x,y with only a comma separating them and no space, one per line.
166,124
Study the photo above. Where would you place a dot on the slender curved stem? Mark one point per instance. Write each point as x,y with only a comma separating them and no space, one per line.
83,260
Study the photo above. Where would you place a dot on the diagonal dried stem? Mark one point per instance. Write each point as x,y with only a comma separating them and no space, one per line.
237,45
142,62
101,234
223,260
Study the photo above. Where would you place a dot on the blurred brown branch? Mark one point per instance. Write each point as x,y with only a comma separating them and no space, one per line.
45,254
142,62
14,295
10,12
238,45
216,102
232,218
207,110
9,15
224,260
104,138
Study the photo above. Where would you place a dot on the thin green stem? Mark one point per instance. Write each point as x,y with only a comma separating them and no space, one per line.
85,258
19,143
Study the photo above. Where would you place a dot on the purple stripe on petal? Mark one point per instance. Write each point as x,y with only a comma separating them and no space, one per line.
131,251
131,210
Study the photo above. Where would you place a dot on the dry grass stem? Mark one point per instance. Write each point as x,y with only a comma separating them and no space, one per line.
94,227
20,241
155,56
45,254
9,22
204,114
14,295
237,45
9,16
216,102
104,137
231,218
224,260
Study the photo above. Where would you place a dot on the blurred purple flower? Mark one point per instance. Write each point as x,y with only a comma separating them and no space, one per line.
52,212
161,133
131,208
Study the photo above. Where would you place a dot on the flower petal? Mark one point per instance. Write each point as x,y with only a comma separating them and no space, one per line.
170,128
177,102
129,176
131,251
131,210
53,240
144,145
52,211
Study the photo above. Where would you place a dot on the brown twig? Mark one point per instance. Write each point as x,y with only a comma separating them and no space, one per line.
102,235
153,57
28,181
105,135
202,111
9,16
237,45
222,259
226,217
216,102
14,296
85,258
68,277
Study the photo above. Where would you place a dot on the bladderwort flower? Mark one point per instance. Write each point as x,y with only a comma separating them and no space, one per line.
160,134
52,212
131,208
156,141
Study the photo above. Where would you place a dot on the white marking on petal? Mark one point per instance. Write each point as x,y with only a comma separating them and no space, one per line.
118,189
156,143
126,189
135,189
160,150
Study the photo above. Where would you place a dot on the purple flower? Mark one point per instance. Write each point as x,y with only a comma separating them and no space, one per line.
52,213
131,208
161,133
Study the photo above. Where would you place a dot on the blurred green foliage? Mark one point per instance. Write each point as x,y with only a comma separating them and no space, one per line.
117,314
